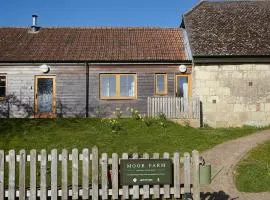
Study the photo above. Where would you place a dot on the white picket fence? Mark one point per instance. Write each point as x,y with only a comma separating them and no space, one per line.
97,186
174,107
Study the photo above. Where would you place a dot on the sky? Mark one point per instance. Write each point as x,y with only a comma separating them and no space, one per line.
149,13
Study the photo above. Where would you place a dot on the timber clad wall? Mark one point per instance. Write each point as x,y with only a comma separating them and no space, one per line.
71,88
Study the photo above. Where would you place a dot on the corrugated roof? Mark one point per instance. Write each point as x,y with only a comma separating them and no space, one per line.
92,44
229,28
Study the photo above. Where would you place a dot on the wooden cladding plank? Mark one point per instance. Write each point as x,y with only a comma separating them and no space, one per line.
43,175
2,174
114,175
54,161
187,190
33,174
85,174
22,175
176,175
166,187
11,175
195,173
146,189
136,191
75,174
64,174
156,188
95,173
104,176
125,187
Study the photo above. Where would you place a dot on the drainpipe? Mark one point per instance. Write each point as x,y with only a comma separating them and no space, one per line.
87,90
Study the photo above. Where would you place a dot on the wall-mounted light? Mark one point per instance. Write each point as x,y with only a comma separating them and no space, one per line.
182,68
44,68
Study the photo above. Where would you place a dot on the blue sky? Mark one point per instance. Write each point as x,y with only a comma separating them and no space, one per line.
162,13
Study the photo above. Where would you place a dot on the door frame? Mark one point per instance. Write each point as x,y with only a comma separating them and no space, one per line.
189,83
53,113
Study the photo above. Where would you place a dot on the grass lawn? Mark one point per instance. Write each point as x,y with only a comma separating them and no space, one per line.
253,172
133,136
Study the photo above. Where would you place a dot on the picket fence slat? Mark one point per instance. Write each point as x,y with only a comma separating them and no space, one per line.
54,161
104,175
85,176
108,187
95,162
125,187
114,175
75,174
64,174
146,187
136,191
43,175
22,175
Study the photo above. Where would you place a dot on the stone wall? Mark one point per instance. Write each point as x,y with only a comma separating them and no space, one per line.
233,95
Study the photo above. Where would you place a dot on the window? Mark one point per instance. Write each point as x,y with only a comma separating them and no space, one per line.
3,86
118,86
161,84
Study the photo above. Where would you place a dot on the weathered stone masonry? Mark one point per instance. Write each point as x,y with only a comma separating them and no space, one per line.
233,95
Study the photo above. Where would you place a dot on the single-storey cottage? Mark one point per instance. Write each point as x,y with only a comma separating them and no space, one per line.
84,72
230,44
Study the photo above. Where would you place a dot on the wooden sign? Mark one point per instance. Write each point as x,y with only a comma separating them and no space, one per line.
145,171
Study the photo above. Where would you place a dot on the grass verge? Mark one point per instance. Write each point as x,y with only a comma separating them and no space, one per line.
253,172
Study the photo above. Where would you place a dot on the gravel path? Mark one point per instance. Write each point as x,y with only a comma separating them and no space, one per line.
224,158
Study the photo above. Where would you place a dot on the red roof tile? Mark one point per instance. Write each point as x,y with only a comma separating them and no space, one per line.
92,44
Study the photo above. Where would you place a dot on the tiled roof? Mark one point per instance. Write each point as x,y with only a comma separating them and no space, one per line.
229,28
92,44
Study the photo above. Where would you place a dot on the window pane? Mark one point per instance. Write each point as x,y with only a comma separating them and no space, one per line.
160,83
127,85
108,86
2,91
182,86
2,81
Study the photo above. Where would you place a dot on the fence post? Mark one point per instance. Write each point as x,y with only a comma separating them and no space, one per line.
2,167
196,184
